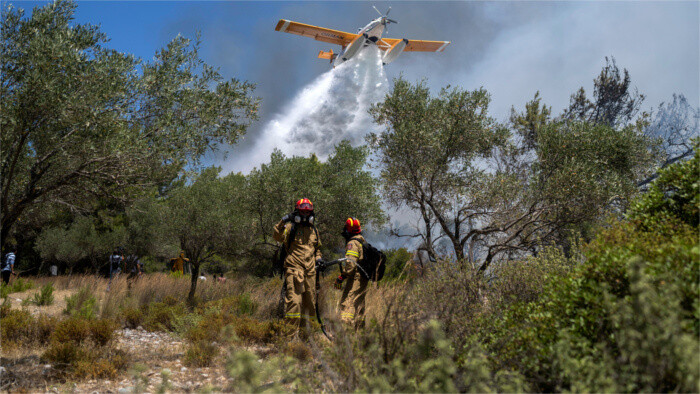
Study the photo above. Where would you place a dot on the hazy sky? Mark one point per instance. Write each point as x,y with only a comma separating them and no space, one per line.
512,49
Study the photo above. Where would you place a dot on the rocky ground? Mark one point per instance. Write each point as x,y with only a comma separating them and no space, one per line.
156,366
156,363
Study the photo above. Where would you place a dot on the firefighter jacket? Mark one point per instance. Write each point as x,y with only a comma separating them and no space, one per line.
353,253
303,250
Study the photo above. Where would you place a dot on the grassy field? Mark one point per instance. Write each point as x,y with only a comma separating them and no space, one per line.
101,335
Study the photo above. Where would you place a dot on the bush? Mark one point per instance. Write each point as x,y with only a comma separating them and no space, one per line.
16,328
200,354
82,304
396,260
627,319
80,346
17,286
160,316
43,297
132,317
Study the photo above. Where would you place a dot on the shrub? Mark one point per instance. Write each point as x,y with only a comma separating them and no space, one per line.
82,304
627,319
85,362
102,331
74,329
80,346
17,286
160,316
298,350
132,317
396,260
16,328
43,297
200,354
5,307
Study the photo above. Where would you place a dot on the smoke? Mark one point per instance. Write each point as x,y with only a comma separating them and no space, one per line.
330,109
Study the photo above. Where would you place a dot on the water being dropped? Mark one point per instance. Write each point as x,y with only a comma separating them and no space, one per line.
330,109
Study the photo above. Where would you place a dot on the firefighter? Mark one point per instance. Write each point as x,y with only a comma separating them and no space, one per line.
296,231
352,302
179,262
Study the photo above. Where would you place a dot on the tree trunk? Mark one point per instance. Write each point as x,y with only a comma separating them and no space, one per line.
193,283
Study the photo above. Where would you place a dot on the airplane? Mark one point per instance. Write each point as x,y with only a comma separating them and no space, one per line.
352,43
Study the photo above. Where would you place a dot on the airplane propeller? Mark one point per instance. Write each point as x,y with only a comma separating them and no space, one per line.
385,20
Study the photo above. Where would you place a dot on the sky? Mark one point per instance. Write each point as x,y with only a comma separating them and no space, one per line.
512,49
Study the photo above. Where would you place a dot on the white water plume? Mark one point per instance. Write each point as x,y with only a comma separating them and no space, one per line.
330,109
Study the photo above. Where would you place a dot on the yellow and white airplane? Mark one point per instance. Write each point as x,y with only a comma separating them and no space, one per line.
352,43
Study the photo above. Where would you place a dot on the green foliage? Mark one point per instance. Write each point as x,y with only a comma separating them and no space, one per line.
200,354
674,194
83,304
17,286
81,347
43,297
110,123
624,320
162,316
428,155
396,260
340,187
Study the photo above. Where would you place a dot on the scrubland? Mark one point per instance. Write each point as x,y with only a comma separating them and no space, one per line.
620,313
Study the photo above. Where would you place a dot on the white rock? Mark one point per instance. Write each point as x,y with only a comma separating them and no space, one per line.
183,369
126,390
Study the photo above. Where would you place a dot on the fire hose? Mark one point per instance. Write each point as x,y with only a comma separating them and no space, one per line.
320,267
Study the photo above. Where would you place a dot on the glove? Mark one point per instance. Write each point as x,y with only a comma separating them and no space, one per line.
320,264
339,282
288,217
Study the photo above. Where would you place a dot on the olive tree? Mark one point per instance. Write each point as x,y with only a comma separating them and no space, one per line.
207,217
81,120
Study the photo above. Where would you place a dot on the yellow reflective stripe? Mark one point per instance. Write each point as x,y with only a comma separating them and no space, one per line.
347,314
352,253
293,315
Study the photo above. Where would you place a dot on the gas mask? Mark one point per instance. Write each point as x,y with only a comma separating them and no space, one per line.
299,218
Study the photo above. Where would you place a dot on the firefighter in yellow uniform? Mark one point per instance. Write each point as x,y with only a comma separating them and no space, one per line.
179,262
297,232
352,302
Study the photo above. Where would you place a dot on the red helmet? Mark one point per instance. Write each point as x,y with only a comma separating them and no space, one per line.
352,226
304,205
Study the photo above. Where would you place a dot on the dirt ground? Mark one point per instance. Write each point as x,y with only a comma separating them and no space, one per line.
153,355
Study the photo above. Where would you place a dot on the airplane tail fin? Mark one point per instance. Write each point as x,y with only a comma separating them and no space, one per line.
327,55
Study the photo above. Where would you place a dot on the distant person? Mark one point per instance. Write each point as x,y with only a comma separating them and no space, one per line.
133,267
8,265
352,302
115,262
179,263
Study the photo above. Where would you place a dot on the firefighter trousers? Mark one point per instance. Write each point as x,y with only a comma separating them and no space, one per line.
352,302
300,296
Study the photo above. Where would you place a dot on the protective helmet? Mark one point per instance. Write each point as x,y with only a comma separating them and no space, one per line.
304,205
352,226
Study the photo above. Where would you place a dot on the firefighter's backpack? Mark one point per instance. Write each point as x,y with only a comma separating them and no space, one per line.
373,263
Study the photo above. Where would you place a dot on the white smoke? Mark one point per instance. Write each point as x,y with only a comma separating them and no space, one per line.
330,109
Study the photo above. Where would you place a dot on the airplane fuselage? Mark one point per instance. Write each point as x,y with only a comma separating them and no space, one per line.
371,33
373,30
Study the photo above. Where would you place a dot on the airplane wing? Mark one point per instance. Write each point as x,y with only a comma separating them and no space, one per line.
415,45
315,32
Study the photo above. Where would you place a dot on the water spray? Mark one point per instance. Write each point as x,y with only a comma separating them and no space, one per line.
330,109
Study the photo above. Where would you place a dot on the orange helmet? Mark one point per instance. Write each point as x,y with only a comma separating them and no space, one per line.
304,205
352,226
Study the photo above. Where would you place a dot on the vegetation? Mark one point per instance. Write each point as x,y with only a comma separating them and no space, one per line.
562,248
